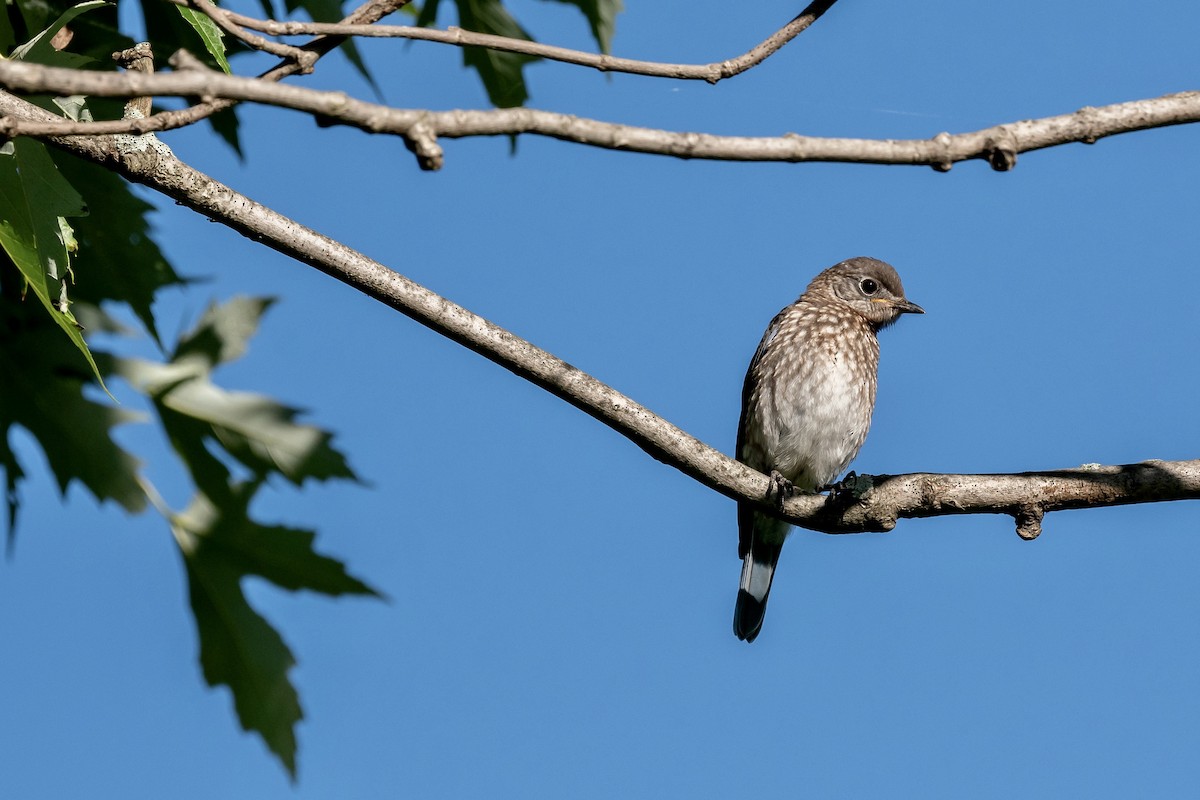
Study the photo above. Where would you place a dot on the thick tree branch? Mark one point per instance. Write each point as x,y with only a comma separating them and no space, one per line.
999,145
877,501
870,504
713,72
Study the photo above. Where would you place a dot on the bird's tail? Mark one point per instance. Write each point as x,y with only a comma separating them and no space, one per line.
758,568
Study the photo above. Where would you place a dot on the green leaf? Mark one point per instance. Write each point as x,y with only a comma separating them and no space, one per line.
501,73
117,258
75,434
257,432
212,36
602,18
223,333
225,124
95,34
428,14
261,433
279,554
38,50
168,31
43,392
13,475
34,198
188,437
8,37
238,647
73,107
215,431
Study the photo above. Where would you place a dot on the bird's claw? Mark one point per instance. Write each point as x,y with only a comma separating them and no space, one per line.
780,489
849,489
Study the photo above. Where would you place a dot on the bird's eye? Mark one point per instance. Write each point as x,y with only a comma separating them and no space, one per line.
868,286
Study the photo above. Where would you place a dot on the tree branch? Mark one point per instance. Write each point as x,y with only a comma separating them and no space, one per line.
293,64
870,504
713,72
999,144
223,19
876,502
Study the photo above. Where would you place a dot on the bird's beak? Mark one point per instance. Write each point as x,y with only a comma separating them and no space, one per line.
905,307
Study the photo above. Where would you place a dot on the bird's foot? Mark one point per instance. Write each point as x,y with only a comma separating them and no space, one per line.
780,489
849,489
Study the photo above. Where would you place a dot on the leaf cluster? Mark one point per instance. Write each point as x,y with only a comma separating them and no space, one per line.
77,253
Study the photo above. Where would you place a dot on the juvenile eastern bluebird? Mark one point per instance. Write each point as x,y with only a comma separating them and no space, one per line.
806,405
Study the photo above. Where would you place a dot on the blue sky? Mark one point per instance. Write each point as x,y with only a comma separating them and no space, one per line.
560,604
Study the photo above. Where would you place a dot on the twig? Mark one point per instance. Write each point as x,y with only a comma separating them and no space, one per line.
713,72
222,19
139,58
999,145
365,14
875,503
369,12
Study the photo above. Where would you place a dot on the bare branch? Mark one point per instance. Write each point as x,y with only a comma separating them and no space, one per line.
139,58
714,72
868,504
999,145
365,14
878,501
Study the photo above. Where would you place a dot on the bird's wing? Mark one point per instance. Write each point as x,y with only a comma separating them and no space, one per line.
748,456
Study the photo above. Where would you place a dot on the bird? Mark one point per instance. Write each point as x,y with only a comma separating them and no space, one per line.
806,406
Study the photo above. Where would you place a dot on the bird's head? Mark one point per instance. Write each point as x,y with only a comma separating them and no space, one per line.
868,286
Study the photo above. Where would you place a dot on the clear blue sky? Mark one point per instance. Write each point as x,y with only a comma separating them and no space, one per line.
559,623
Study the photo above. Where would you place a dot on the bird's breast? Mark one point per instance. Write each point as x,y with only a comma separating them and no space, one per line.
816,411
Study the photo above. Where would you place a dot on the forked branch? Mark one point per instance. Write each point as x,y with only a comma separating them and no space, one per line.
712,72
